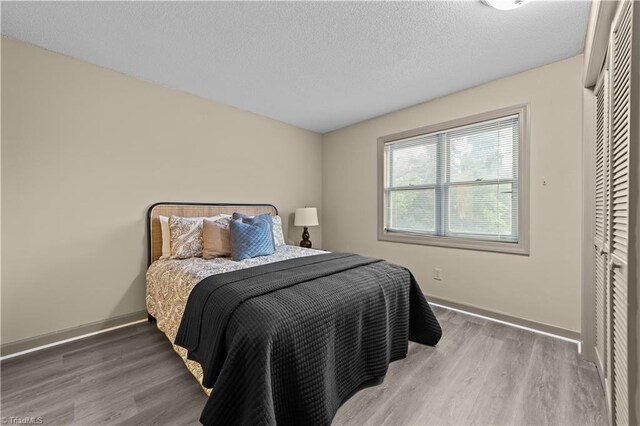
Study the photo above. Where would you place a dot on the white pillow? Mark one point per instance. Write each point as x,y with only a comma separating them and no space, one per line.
166,234
166,237
278,234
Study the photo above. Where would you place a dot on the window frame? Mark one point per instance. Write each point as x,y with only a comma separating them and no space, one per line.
522,246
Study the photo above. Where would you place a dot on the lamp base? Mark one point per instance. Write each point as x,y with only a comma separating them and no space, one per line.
305,238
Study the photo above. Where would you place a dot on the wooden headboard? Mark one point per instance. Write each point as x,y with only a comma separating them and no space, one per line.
154,236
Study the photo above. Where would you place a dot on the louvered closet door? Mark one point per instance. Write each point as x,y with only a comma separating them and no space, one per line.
601,231
619,199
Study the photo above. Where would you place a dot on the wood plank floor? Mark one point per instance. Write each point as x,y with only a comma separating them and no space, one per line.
480,373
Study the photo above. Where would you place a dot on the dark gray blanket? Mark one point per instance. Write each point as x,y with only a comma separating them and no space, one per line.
287,342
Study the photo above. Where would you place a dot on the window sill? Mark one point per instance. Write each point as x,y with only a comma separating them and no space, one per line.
521,248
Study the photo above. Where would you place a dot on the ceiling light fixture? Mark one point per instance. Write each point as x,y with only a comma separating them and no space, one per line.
505,4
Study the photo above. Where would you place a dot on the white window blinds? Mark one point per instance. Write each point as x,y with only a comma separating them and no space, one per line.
461,182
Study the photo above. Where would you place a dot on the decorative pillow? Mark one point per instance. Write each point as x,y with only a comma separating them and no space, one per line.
223,220
166,237
166,242
265,217
215,238
278,234
186,237
238,216
250,240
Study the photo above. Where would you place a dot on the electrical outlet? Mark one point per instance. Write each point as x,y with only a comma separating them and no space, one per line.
437,274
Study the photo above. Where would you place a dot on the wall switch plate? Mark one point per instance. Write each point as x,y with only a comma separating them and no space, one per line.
437,274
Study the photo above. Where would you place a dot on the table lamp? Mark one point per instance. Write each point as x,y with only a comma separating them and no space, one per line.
306,216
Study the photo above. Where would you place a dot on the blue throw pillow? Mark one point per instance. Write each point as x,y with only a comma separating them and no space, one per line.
264,217
250,240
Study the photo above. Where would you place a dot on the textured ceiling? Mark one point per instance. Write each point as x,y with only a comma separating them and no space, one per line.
317,65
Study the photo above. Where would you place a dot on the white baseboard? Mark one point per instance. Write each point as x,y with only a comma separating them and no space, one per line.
20,347
536,327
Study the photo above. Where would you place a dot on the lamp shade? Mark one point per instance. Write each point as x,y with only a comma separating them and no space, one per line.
306,216
505,4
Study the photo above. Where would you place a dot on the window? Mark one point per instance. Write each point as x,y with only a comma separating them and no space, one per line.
458,184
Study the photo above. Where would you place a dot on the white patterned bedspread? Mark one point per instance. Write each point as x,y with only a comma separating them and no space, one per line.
170,281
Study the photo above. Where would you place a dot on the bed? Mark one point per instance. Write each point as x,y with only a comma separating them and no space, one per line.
283,338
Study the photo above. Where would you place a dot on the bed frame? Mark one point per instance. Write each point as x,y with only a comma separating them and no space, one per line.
154,234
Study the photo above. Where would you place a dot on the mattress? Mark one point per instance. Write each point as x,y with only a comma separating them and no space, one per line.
170,281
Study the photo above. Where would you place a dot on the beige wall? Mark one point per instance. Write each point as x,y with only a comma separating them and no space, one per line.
86,150
543,287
